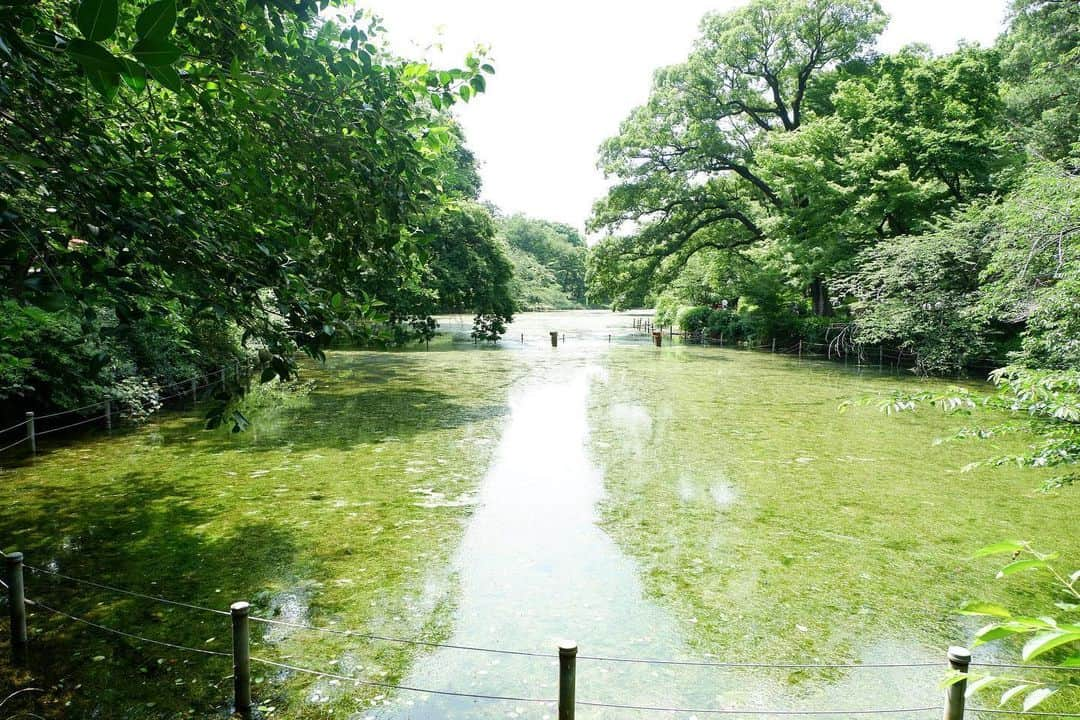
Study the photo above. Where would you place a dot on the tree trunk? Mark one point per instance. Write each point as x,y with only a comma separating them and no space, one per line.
819,296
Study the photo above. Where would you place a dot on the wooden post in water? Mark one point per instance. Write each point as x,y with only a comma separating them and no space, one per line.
241,657
30,434
567,679
959,660
555,338
16,598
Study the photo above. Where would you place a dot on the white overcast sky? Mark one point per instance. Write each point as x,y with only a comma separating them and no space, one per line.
568,71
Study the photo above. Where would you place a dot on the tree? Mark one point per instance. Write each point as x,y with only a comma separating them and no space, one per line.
549,262
251,163
686,159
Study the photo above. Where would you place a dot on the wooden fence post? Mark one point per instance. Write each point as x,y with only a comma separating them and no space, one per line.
658,337
31,435
194,392
108,415
774,344
959,660
567,679
555,338
16,598
241,657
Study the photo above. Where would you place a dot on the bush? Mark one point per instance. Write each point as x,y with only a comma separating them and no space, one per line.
693,319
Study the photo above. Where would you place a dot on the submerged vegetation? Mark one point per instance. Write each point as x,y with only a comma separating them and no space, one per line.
189,186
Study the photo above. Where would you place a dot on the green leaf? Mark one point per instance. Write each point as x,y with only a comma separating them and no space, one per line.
154,52
980,683
1012,692
1037,696
336,301
134,76
97,18
157,20
983,608
478,83
488,69
1020,565
995,632
167,76
93,57
105,83
1007,546
1045,642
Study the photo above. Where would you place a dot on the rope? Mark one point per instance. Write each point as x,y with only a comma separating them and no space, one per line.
20,441
789,666
14,427
69,412
122,591
391,686
719,711
384,638
68,427
128,635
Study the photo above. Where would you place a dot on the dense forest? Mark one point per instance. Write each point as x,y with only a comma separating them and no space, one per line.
186,185
787,180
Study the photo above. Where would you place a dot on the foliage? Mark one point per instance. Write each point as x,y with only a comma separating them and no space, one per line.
136,398
1041,65
549,262
1042,403
921,293
686,160
256,164
1049,635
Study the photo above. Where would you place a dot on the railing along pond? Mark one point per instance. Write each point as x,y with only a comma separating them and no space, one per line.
953,707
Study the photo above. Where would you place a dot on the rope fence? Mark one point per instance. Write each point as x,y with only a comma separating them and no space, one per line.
191,388
959,659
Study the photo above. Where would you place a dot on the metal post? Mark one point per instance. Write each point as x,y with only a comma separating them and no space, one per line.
108,415
567,673
16,597
241,657
30,434
959,660
555,339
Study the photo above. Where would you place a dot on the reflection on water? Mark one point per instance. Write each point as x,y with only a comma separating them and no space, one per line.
535,567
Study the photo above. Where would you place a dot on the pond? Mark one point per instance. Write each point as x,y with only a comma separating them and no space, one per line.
683,503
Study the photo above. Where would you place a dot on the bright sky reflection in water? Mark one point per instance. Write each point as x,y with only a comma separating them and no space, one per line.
535,567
